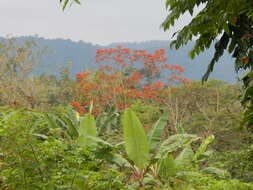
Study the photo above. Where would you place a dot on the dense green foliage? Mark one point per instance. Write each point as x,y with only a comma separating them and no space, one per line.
188,138
37,153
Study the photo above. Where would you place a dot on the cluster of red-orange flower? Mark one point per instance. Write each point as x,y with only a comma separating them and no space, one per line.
78,107
80,76
117,84
173,67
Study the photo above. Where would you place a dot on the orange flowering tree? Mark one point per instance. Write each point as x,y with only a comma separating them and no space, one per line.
124,76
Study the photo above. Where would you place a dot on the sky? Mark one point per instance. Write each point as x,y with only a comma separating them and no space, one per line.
95,21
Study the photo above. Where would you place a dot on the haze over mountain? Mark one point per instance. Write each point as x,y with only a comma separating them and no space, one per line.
82,54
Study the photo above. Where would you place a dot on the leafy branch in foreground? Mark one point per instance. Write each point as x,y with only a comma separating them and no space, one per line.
233,21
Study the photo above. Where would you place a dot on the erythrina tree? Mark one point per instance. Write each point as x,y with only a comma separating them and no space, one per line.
124,76
228,21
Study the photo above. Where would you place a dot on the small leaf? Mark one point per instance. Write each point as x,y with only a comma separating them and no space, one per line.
226,28
248,93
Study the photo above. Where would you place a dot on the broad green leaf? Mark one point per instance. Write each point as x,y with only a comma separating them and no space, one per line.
51,121
184,159
73,116
72,128
175,142
202,148
167,167
120,161
136,142
109,119
87,129
156,133
64,122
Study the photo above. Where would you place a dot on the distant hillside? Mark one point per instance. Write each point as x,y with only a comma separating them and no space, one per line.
82,55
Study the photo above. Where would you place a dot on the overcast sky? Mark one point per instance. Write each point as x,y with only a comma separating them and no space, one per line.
95,21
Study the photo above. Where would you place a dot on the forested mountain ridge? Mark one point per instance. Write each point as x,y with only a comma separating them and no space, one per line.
60,52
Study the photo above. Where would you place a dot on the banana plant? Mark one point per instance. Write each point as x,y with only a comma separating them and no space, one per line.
147,155
147,152
190,159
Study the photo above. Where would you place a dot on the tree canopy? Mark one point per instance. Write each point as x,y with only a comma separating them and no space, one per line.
230,19
226,22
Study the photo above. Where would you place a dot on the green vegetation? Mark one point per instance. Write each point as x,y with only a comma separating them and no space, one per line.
40,153
127,126
91,133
